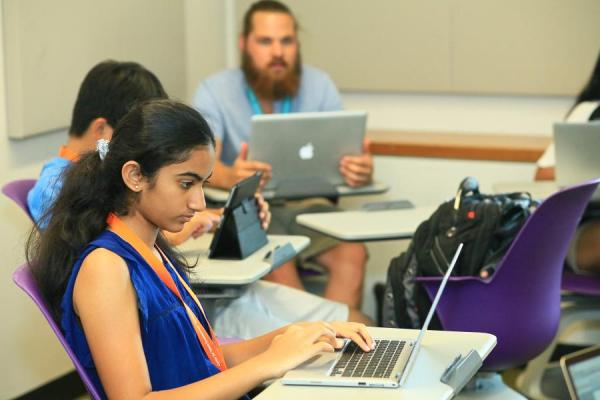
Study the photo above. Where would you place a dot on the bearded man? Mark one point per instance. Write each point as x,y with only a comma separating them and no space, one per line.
272,79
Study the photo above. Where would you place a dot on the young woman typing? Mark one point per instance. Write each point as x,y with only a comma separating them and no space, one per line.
120,292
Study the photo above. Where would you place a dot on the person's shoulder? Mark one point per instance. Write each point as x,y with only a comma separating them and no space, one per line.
56,164
225,78
227,84
313,73
50,175
104,265
112,242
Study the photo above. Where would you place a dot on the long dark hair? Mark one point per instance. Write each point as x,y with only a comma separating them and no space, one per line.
154,134
591,91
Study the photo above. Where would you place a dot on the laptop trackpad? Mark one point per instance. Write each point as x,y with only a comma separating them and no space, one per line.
320,364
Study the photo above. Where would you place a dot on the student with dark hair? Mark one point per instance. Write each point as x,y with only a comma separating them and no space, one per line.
585,108
263,306
273,79
106,94
121,293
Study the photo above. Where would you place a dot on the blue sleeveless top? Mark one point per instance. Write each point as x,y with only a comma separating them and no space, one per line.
173,353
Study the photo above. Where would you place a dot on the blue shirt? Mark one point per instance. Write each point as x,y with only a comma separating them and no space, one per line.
44,193
223,102
173,353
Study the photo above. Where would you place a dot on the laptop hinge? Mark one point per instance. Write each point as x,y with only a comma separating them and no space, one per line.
302,188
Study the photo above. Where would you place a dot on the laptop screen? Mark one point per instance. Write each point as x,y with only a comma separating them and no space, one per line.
576,152
582,373
306,147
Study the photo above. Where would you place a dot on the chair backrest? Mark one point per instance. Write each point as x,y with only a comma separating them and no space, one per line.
17,191
23,278
520,304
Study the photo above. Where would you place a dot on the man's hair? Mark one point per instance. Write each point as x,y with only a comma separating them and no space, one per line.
110,90
266,6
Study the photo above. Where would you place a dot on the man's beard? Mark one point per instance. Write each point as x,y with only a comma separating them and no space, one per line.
265,86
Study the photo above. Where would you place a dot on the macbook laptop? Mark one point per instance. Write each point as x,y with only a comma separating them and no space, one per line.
577,147
304,150
388,365
581,371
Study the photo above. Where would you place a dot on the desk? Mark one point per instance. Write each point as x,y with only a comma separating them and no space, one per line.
367,225
539,190
438,350
234,272
455,145
220,195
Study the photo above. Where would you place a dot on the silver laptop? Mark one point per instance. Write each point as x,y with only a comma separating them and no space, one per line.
577,148
304,150
388,365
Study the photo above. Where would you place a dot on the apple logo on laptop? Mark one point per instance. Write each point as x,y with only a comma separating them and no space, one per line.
307,151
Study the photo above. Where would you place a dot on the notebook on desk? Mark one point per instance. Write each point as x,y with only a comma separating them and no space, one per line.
388,365
304,150
577,158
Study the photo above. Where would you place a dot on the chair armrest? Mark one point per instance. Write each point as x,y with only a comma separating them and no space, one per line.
433,279
580,284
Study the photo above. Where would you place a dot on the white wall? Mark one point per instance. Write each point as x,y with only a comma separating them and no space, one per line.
29,353
461,113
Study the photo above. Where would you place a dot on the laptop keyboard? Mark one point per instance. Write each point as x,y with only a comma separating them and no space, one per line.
377,363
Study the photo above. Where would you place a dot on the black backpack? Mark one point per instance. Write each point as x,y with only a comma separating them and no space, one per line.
486,224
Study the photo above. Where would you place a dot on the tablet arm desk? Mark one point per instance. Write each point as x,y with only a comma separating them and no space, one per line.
230,276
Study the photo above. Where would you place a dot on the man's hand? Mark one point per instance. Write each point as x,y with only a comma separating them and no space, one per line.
358,170
242,168
203,222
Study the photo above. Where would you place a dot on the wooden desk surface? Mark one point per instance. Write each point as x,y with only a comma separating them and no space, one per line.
491,147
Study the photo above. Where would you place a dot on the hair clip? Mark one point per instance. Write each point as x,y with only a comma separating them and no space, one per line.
102,148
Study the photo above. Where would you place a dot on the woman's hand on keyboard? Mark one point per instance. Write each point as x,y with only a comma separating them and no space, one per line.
296,344
355,331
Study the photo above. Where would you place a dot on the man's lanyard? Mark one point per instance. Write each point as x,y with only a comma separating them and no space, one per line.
210,344
286,105
68,154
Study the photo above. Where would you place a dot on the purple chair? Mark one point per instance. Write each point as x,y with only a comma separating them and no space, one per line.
17,191
520,303
580,303
23,278
580,284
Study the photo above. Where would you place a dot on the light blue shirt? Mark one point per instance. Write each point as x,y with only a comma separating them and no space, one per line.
223,102
44,193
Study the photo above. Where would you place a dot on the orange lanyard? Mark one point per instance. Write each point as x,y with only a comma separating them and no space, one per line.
210,344
68,154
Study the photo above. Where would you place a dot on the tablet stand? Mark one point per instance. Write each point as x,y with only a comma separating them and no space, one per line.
461,370
279,255
241,234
